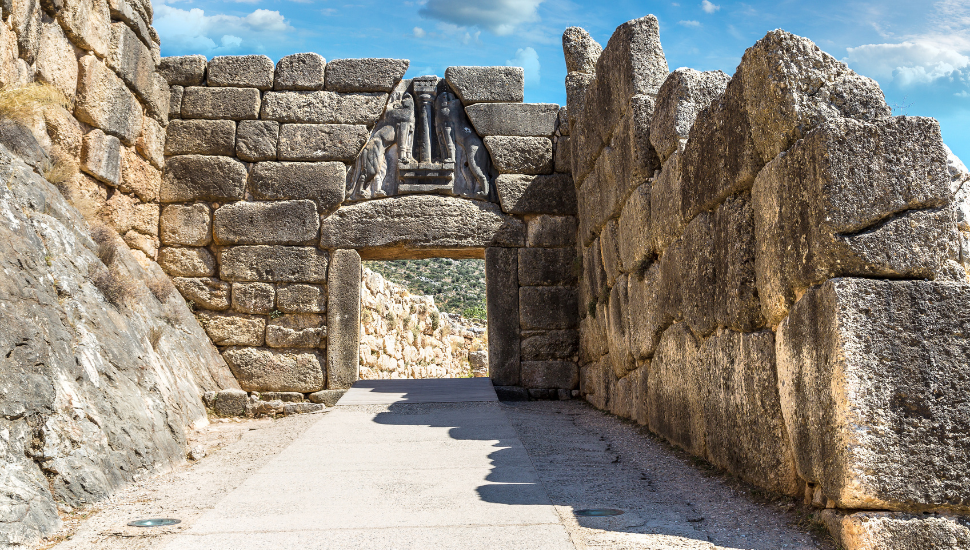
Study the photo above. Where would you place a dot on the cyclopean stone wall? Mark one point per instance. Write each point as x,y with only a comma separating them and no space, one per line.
771,278
280,179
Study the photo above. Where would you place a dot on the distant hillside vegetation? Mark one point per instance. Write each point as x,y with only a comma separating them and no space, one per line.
458,286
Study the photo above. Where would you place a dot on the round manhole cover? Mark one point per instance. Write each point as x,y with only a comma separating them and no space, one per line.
154,522
599,512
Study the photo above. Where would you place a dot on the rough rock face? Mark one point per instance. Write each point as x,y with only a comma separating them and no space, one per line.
101,375
581,50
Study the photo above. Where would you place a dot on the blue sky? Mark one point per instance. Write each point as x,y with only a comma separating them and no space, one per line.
918,52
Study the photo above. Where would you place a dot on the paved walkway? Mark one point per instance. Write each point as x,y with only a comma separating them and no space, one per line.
392,467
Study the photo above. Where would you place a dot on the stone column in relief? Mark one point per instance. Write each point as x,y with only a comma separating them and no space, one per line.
343,319
502,297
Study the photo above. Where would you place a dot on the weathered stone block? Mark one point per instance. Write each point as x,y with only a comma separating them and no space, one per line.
87,24
56,61
610,251
418,225
550,374
593,283
365,75
501,277
548,307
592,340
699,283
297,331
487,84
321,141
681,97
216,103
676,391
175,102
258,298
183,70
343,320
241,71
553,344
125,213
522,194
104,101
101,157
581,50
204,292
547,266
322,182
187,262
584,149
200,177
327,397
201,137
257,140
879,446
644,160
562,156
151,142
514,119
633,231
138,177
231,402
551,231
301,299
282,264
272,370
324,107
737,305
278,222
852,198
132,61
188,225
520,155
667,221
300,71
233,330
618,329
658,296
614,182
897,530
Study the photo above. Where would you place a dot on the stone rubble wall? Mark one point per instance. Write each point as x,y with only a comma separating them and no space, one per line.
771,276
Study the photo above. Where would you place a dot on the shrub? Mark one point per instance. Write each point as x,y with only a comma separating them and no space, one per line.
58,170
161,288
116,288
106,239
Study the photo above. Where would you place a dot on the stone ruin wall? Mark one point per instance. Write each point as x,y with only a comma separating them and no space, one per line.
772,278
264,221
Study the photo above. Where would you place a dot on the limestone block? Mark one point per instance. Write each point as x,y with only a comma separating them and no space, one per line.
136,17
322,182
25,21
550,374
183,70
736,302
323,107
138,177
610,251
537,194
131,59
257,140
241,71
420,224
101,157
327,397
720,158
300,71
201,137
699,283
278,222
365,75
547,267
204,292
301,299
581,50
594,276
547,345
151,142
88,24
322,141
562,156
104,101
851,199
343,319
284,264
658,296
125,213
258,298
502,302
175,102
56,61
667,221
633,231
148,244
897,530
681,97
618,329
548,307
562,124
783,75
201,177
551,231
742,411
592,340
879,445
297,331
513,119
676,391
614,180
520,155
187,262
272,370
588,210
644,160
584,149
9,59
87,194
487,84
231,402
214,103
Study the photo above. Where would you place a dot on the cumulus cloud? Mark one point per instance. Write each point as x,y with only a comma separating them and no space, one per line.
528,59
690,23
908,63
419,32
192,31
709,7
498,16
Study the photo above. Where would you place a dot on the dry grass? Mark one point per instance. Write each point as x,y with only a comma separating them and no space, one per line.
116,288
24,103
161,288
107,241
58,170
155,336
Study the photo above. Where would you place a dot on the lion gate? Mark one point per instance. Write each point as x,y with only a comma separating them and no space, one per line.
280,179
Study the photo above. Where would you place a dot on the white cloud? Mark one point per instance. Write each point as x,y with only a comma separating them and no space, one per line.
907,63
709,7
528,59
419,32
498,16
192,31
689,23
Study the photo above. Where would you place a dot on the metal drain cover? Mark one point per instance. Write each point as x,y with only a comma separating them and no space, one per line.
599,512
154,522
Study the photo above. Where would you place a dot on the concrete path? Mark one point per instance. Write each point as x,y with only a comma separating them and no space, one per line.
392,467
